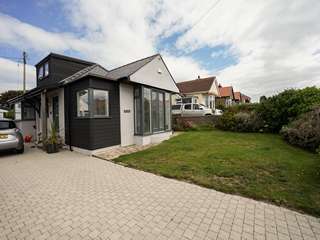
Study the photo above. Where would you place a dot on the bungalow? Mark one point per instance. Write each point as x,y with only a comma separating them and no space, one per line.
204,90
226,97
94,108
241,98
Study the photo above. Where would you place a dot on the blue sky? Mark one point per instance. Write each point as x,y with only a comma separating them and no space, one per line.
232,41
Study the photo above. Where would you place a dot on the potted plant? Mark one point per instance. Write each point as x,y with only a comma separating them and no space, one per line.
52,142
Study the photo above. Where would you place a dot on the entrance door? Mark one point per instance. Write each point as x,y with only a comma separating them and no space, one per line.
55,111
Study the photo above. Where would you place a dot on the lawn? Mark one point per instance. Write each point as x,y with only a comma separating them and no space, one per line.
260,166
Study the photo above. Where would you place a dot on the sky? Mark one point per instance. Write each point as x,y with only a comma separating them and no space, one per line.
259,47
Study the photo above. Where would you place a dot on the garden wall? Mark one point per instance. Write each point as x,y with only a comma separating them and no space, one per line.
204,120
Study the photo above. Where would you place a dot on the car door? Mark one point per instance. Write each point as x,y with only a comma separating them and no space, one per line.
197,110
187,109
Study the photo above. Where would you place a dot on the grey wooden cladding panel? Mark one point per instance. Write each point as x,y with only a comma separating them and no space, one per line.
93,133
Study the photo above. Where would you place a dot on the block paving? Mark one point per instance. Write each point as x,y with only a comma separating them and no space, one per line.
72,196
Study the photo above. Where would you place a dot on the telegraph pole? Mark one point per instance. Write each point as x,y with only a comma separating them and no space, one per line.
24,57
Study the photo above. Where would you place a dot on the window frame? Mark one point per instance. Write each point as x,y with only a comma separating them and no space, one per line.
91,114
141,101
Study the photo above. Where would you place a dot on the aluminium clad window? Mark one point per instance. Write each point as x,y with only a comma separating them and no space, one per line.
147,110
40,72
152,110
83,103
137,111
43,70
168,111
46,69
100,103
92,103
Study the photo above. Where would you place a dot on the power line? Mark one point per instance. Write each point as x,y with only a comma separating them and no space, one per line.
205,14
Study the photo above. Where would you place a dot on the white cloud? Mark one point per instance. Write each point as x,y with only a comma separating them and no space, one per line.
11,75
275,42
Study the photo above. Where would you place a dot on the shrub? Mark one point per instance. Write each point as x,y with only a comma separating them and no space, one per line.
305,131
240,122
285,107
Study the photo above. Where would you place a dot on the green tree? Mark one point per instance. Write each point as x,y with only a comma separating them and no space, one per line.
5,96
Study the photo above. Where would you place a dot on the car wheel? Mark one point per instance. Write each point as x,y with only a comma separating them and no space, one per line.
20,151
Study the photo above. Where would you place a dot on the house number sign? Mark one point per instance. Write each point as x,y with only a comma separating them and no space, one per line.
126,111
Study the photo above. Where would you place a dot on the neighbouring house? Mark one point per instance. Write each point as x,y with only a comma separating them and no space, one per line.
94,108
2,112
202,90
226,96
241,98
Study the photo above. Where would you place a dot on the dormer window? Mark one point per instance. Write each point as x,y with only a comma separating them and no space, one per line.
43,70
40,72
46,69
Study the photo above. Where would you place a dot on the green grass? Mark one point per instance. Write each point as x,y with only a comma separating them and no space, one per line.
260,166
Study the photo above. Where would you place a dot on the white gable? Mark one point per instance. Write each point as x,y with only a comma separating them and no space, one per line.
214,88
155,74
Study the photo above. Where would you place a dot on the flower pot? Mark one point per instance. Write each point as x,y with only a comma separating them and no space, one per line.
52,148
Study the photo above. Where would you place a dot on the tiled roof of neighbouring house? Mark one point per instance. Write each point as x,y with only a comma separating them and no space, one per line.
197,85
130,68
237,96
226,91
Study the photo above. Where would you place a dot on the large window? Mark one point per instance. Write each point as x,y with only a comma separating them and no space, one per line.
92,103
147,110
152,110
168,111
100,103
137,111
83,103
43,70
40,72
46,69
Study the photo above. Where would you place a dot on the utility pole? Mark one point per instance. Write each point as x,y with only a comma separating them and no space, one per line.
24,57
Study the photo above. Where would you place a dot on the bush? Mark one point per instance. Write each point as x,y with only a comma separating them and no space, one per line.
285,107
305,131
240,122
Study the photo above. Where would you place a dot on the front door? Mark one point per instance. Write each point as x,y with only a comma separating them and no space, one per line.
55,111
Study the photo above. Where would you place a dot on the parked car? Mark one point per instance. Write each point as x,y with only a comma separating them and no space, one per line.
10,136
191,109
218,112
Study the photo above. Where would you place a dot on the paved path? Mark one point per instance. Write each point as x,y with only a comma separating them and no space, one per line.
71,196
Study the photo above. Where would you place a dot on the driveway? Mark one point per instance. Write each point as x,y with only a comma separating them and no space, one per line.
71,196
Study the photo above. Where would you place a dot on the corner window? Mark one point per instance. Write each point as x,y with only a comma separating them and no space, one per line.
40,72
152,111
92,103
100,103
83,103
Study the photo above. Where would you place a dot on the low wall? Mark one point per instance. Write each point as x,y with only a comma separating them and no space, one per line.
204,120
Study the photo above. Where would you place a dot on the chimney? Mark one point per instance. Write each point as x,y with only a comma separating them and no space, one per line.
198,76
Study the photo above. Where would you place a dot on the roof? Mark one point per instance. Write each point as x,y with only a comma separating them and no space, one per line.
94,70
197,85
237,96
245,97
130,68
65,58
226,91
